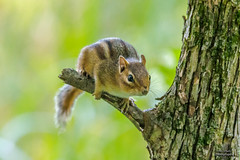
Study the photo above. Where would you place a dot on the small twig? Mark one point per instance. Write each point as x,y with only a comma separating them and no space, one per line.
72,77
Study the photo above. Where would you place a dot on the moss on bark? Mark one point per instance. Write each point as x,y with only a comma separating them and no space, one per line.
198,118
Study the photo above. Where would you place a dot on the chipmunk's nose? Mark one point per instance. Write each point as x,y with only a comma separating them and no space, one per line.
145,91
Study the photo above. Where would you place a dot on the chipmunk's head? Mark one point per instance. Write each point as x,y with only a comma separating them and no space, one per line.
134,78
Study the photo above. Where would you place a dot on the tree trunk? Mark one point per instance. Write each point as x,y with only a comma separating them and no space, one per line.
198,118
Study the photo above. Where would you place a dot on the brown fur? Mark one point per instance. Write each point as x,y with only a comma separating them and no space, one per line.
109,61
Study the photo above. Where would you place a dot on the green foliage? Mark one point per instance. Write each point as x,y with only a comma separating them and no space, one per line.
40,38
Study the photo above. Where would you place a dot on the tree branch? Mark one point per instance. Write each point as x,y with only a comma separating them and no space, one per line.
72,77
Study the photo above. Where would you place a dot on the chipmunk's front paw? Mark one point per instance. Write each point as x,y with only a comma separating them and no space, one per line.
126,103
97,95
84,73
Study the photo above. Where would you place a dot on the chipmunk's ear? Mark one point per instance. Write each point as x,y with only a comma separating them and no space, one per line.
123,63
143,59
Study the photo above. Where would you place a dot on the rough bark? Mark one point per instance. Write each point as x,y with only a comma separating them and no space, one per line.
198,118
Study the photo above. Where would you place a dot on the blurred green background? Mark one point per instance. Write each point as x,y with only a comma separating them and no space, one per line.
40,38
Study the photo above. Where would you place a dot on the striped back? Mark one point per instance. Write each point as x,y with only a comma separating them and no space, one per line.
113,48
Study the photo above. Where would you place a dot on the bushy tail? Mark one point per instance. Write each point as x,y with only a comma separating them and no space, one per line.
64,102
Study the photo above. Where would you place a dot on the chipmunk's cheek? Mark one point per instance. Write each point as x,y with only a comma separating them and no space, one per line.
137,92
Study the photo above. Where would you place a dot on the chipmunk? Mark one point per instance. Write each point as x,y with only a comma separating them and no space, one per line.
116,68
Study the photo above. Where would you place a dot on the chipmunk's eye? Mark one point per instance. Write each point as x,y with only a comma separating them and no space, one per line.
149,77
130,78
